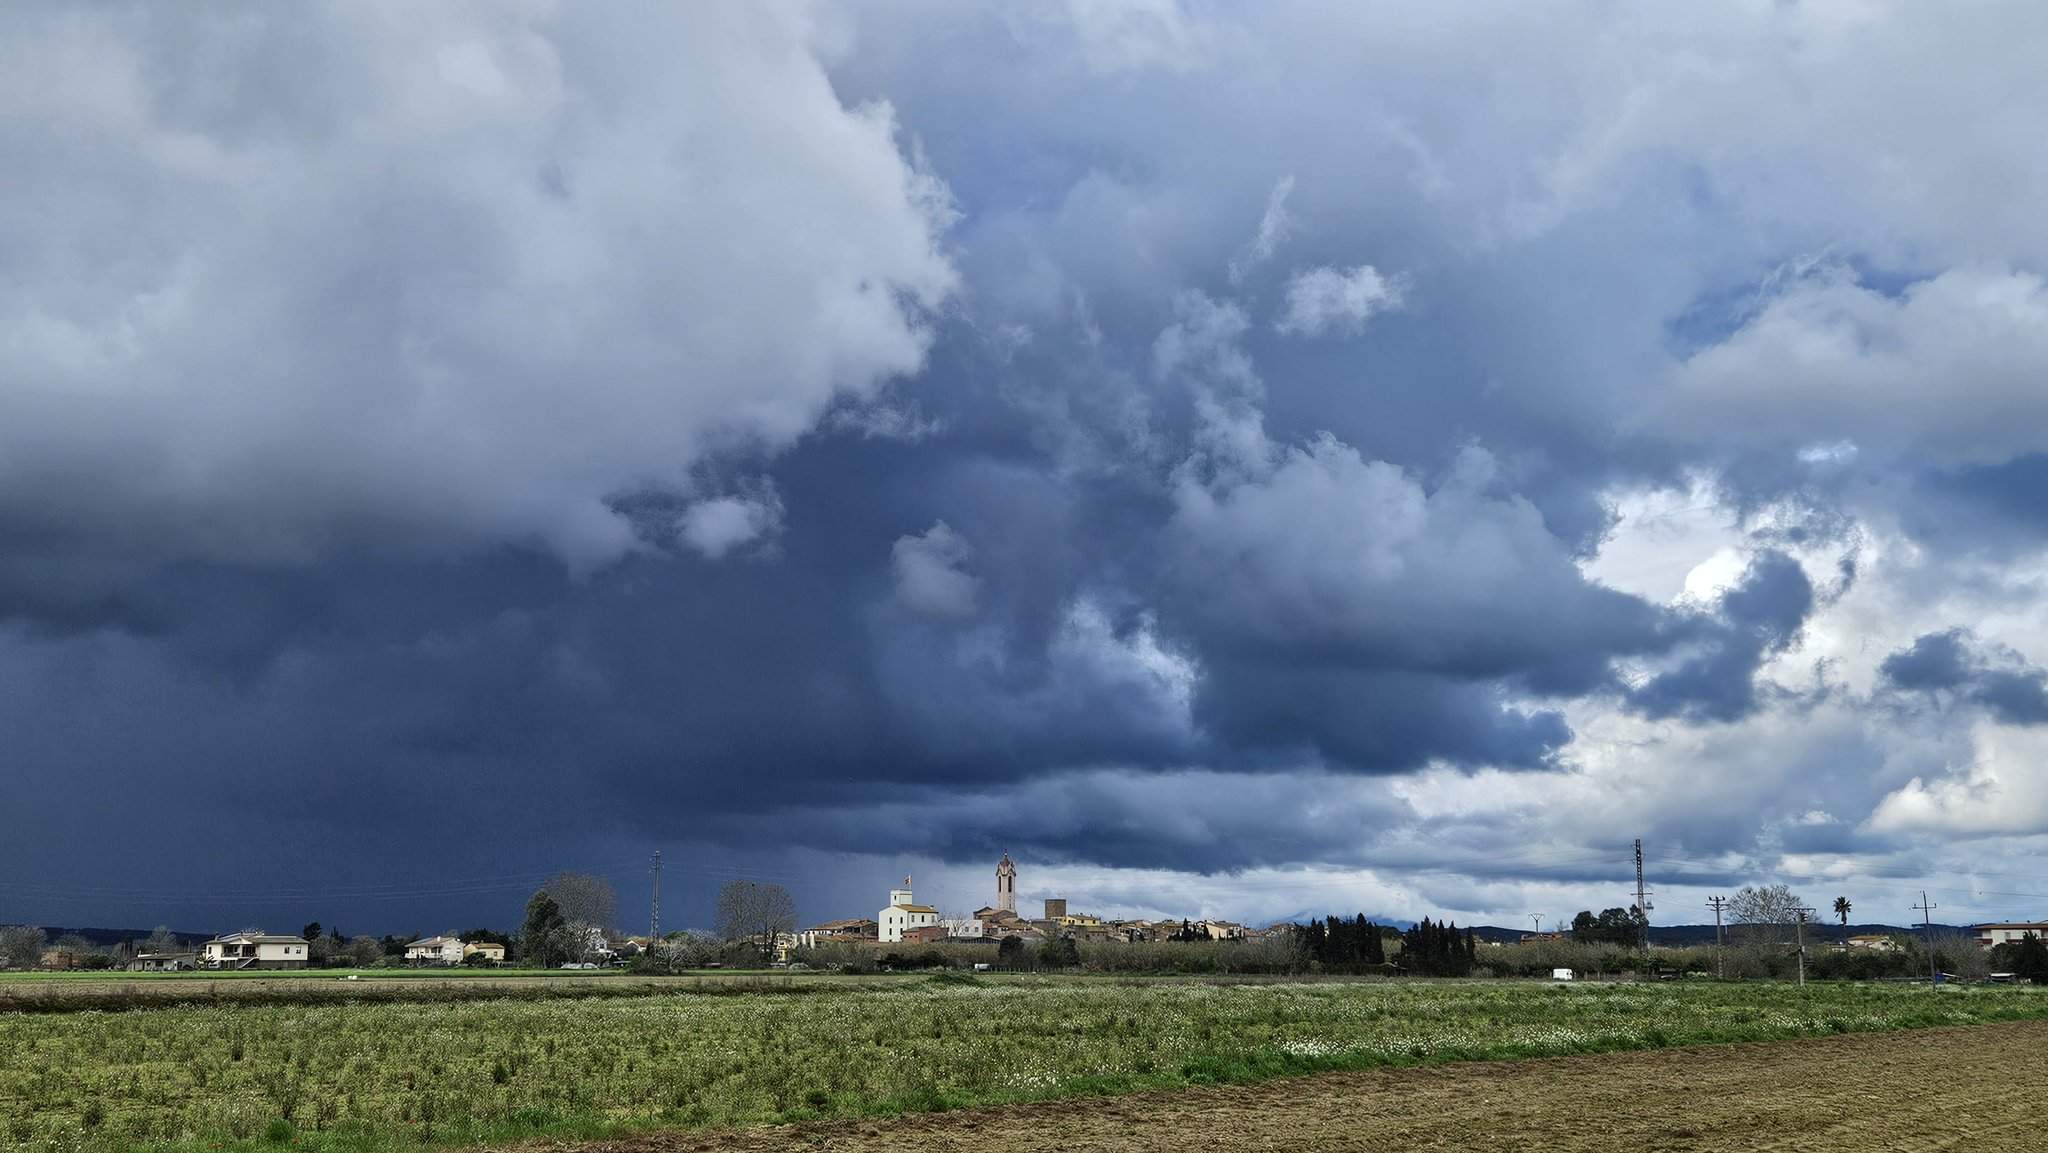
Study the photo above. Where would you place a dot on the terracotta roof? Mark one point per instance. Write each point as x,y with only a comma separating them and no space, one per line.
915,908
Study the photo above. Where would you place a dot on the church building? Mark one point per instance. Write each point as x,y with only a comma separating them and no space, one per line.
903,915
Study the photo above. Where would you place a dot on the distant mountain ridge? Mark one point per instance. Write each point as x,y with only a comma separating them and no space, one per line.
1704,934
105,937
1672,934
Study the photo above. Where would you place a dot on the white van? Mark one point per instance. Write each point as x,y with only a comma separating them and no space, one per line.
1560,974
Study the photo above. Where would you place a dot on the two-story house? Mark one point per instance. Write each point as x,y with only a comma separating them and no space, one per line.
254,949
434,951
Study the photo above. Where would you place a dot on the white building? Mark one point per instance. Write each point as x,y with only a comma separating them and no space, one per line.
435,951
2004,932
597,946
844,929
903,915
255,950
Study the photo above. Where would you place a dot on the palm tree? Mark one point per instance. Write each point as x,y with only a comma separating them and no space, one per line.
1842,909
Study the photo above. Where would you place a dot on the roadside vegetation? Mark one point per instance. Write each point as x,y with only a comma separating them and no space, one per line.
391,1076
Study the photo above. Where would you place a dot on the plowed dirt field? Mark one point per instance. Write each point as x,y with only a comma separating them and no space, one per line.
1977,1087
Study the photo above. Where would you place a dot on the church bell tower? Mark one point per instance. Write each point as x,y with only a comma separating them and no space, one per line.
1006,885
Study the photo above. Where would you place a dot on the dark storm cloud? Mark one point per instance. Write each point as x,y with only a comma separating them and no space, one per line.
1995,509
1956,664
1138,443
1715,678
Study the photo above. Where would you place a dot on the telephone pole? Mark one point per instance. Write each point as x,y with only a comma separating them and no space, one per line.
1536,920
1717,904
654,907
1801,915
1927,908
1642,896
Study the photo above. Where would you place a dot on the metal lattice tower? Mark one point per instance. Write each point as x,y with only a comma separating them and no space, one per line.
1643,905
654,906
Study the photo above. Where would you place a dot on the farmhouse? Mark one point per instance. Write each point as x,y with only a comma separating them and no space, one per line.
489,950
435,951
843,929
163,962
1875,942
255,949
997,924
2006,932
903,914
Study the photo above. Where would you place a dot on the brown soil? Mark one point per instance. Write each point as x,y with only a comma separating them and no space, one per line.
1979,1087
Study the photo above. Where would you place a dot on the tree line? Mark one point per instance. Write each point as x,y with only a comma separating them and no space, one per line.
1335,943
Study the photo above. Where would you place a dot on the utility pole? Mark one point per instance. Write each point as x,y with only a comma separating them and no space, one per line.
1927,908
1717,904
654,907
1801,915
1642,896
1536,921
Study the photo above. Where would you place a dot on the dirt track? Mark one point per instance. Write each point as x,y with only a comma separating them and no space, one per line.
1981,1087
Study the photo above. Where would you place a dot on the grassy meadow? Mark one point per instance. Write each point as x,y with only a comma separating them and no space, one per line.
392,1075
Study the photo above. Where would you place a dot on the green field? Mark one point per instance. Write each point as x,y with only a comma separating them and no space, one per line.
396,1075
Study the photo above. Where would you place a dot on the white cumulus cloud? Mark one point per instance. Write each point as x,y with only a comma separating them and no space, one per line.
931,572
1330,300
459,273
721,524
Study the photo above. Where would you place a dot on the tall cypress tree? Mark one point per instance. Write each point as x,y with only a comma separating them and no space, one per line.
1423,948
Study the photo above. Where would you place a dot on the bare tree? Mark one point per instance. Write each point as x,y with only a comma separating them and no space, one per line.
682,950
1765,914
1960,954
21,946
756,912
160,940
585,899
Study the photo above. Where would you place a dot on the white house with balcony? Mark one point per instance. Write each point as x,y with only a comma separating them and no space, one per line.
903,915
254,949
435,951
2009,932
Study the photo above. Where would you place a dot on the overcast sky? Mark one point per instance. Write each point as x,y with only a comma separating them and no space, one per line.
1241,461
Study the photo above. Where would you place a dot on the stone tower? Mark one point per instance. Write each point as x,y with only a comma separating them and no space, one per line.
1006,885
